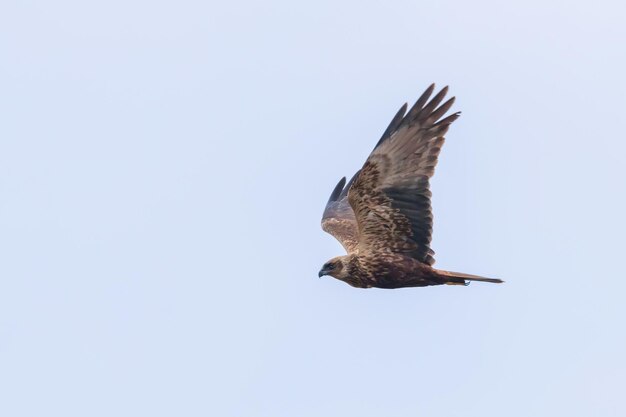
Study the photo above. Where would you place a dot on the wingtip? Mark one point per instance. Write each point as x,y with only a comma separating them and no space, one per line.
429,90
337,190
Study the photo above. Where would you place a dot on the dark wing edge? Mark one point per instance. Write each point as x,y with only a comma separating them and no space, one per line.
395,123
338,218
391,196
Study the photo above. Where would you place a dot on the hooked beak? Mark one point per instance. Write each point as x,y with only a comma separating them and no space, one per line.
322,273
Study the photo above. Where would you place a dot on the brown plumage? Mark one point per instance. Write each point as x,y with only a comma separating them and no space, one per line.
383,217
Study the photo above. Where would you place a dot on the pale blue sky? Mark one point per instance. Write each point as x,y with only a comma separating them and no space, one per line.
164,165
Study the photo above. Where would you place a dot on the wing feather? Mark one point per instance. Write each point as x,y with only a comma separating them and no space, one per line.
395,122
391,195
338,218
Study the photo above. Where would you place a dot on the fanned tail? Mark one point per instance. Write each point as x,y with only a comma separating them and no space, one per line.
459,278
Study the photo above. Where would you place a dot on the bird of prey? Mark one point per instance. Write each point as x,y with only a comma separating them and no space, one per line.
383,217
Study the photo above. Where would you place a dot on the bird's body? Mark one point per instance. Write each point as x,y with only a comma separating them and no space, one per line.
383,216
387,270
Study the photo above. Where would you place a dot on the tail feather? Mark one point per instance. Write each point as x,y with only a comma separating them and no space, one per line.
456,278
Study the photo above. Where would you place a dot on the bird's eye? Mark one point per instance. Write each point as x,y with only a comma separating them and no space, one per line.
330,266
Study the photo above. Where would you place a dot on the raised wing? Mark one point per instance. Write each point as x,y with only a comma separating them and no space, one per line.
338,218
391,196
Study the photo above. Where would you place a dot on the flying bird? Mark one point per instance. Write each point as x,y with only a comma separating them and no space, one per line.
382,216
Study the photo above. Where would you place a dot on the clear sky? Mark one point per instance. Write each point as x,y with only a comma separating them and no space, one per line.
164,166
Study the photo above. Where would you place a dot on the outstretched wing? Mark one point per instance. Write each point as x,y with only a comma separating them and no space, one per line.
391,196
338,218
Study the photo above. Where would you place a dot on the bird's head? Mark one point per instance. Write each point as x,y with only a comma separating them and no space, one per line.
336,268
